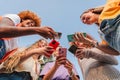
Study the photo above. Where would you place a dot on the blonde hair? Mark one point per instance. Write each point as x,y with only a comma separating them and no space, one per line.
30,15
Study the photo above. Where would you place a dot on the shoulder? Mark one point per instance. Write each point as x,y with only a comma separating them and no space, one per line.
14,17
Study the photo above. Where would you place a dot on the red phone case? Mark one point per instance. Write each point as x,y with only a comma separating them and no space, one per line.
54,44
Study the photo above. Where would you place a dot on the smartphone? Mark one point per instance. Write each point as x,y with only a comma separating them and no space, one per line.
84,34
63,51
54,44
73,49
58,36
70,38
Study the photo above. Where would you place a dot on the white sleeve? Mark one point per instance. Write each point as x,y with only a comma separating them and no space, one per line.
100,56
14,17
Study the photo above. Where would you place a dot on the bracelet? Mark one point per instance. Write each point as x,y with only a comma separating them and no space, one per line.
96,44
71,74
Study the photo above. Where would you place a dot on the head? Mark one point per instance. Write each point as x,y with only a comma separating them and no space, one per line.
29,19
43,43
56,52
91,16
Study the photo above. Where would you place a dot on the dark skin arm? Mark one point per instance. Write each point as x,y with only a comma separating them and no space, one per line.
11,31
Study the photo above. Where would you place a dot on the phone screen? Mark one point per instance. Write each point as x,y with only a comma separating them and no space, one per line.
73,49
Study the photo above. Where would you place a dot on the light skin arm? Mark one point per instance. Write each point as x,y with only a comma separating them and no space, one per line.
96,54
59,61
69,67
107,49
50,73
36,51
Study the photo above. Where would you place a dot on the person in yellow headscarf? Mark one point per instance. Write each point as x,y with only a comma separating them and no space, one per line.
91,16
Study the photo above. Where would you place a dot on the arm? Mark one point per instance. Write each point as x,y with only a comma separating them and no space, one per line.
50,73
39,51
107,49
9,32
12,31
70,69
16,59
99,55
59,61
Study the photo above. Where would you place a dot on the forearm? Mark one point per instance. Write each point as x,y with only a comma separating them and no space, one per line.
73,76
50,73
100,56
25,55
107,49
8,32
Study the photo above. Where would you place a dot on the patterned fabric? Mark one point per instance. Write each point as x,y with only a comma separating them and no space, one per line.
99,66
16,76
103,72
2,48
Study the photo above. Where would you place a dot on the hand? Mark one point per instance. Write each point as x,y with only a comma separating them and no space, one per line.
88,40
68,66
43,50
46,32
60,60
80,53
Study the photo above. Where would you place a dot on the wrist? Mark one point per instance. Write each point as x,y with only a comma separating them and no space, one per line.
37,30
56,66
71,74
94,43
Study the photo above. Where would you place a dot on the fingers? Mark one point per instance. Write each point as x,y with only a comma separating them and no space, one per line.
51,33
79,54
47,32
77,36
47,51
68,62
68,65
60,60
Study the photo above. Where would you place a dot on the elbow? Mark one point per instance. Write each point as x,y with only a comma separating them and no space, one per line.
115,62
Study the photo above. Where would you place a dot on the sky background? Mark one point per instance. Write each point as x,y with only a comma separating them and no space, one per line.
61,15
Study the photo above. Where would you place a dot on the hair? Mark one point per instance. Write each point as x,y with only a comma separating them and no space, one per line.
97,10
24,15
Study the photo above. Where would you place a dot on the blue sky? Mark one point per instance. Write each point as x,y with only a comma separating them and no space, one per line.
61,15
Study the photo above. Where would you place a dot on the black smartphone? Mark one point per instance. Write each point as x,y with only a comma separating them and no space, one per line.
73,49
